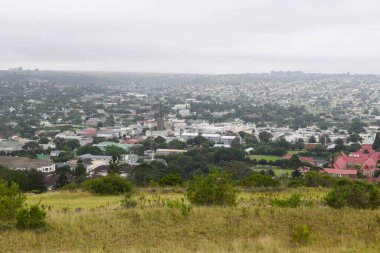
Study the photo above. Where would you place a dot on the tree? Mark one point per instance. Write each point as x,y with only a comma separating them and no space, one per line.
109,185
339,144
43,140
235,143
361,195
355,138
258,180
11,201
80,170
88,149
113,150
376,143
176,144
249,139
265,136
114,165
31,146
36,182
110,121
312,139
213,189
356,126
237,169
142,174
171,180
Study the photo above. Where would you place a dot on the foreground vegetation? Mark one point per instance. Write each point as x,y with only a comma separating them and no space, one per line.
83,222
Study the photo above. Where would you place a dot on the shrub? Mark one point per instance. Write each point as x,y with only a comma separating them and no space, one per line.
315,179
31,218
171,180
184,208
129,201
300,234
293,201
11,201
71,187
294,183
213,189
108,185
259,180
359,195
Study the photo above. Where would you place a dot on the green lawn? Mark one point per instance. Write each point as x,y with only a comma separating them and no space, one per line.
295,152
265,157
280,172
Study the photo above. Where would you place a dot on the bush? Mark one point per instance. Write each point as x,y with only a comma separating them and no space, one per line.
293,201
359,195
213,189
108,185
300,234
71,187
11,201
31,218
171,180
129,201
184,208
259,180
294,183
315,179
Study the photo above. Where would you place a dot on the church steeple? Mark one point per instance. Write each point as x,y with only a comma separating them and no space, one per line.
160,120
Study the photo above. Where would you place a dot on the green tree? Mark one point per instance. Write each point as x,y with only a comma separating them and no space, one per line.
88,149
11,201
143,174
176,144
109,185
31,146
113,150
376,143
312,139
265,136
235,143
213,189
80,170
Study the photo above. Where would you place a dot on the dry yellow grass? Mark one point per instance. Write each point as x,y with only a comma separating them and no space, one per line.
81,222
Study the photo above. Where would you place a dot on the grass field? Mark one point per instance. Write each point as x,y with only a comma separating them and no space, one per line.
295,152
277,171
280,172
81,222
265,157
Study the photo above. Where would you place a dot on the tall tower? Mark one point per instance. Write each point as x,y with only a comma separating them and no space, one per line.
160,120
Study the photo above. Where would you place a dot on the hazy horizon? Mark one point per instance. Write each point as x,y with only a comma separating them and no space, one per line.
203,37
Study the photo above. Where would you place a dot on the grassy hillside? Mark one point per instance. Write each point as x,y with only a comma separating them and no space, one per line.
81,222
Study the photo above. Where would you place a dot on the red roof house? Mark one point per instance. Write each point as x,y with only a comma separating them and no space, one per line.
365,160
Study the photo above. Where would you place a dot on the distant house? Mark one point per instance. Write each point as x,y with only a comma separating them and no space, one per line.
341,172
23,163
55,153
103,170
105,158
365,161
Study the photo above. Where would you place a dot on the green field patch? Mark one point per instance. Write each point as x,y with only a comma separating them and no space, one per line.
265,157
295,152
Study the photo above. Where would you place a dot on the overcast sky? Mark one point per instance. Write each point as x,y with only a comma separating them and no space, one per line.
192,36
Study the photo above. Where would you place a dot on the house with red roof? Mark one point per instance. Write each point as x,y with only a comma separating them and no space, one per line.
365,161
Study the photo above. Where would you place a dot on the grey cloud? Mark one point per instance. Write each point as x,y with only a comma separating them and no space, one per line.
209,36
